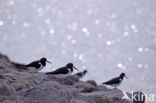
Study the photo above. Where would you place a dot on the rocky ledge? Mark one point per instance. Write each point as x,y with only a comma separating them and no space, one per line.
21,85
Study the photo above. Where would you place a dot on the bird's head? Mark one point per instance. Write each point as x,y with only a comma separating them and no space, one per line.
122,75
45,60
85,71
70,65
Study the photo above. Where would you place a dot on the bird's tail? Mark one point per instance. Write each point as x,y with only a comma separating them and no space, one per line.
105,83
26,65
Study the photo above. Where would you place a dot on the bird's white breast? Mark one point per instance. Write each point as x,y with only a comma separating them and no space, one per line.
41,66
69,71
65,75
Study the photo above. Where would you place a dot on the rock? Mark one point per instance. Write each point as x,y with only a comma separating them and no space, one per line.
126,101
8,94
6,63
92,82
24,85
1,76
111,96
5,66
7,90
29,81
70,80
4,57
19,65
84,87
102,88
52,92
77,101
11,77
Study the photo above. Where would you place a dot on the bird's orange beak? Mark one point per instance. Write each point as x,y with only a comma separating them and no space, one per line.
75,68
49,62
126,77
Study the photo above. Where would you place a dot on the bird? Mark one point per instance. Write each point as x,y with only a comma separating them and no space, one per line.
39,64
116,81
64,71
79,75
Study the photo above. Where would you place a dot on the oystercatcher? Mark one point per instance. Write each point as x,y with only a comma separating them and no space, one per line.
64,71
39,64
116,81
81,74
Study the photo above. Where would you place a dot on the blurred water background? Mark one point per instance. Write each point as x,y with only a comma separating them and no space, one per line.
106,37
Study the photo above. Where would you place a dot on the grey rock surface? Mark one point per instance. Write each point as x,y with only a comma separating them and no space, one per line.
18,86
8,94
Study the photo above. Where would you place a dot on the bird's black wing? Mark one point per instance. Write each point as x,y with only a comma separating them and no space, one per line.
80,74
62,70
33,64
112,81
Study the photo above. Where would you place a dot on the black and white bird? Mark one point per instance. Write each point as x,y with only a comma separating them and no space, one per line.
79,75
66,70
63,72
39,64
116,81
